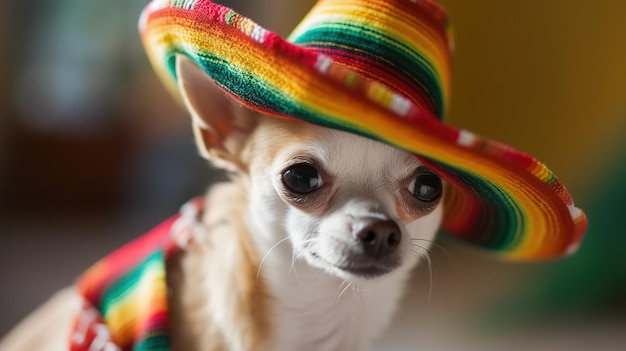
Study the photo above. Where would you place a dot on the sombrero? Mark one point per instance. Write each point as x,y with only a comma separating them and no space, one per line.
380,69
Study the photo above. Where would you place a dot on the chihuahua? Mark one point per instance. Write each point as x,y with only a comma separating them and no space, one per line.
307,248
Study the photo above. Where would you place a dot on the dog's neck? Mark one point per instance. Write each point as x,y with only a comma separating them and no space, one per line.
314,310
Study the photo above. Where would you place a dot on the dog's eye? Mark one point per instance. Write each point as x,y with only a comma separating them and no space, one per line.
426,186
302,178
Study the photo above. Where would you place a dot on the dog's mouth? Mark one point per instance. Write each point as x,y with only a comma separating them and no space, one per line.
360,269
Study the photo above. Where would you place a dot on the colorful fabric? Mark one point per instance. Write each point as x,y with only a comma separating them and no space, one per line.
125,301
125,294
380,69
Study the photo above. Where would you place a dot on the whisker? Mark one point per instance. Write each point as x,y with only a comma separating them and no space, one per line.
427,250
431,270
258,272
355,290
438,246
294,257
342,291
360,289
431,279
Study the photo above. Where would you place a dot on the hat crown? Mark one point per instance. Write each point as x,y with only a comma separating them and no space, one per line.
403,44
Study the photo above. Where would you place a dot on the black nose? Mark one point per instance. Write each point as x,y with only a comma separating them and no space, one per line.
379,238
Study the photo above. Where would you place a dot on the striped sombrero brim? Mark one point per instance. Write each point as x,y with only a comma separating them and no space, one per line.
502,199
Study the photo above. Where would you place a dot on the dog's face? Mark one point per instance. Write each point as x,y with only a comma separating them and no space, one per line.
354,207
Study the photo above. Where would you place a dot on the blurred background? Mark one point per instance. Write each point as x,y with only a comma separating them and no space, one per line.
93,152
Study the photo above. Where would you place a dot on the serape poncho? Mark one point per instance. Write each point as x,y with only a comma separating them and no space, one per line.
380,69
125,294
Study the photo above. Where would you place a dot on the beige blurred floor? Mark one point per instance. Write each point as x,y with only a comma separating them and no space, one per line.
446,323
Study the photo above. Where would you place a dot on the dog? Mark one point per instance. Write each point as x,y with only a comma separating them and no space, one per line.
310,244
307,248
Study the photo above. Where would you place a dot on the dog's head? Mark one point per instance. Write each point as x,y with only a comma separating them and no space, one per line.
351,206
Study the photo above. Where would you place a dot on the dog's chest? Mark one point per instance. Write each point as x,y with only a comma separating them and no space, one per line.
316,311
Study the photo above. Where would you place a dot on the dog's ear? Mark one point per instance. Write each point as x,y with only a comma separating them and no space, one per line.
221,125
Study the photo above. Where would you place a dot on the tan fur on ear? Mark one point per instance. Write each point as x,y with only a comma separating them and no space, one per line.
221,126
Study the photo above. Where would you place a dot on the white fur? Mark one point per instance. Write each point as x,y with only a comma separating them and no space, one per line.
318,306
